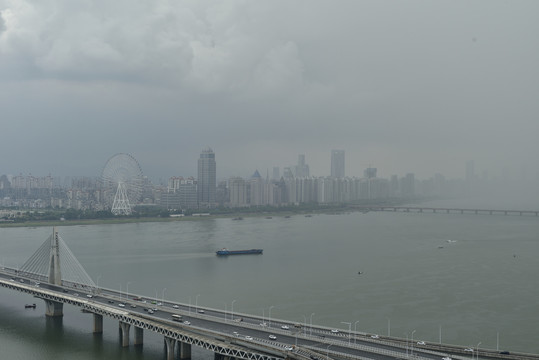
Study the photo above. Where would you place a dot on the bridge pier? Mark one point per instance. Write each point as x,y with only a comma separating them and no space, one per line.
98,324
139,336
170,346
218,356
54,308
124,333
185,351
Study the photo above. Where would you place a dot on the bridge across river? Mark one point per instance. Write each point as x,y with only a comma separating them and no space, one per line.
229,335
423,209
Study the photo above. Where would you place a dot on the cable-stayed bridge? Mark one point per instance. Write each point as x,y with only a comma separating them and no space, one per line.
53,274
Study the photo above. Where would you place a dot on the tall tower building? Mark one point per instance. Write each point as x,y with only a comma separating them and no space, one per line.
302,169
337,163
207,178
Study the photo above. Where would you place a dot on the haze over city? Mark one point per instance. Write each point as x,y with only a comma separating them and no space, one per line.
411,86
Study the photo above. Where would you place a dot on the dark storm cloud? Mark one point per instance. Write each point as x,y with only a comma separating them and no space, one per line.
407,86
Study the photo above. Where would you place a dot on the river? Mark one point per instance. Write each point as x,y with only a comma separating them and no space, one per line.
463,278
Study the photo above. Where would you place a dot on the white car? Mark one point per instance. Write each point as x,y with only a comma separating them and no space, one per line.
375,337
335,331
421,343
150,311
236,333
285,327
187,322
248,338
201,311
89,295
468,349
273,337
121,305
288,348
175,306
446,358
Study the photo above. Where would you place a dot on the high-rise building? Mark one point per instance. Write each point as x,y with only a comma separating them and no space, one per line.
238,192
337,163
276,175
369,173
302,169
207,178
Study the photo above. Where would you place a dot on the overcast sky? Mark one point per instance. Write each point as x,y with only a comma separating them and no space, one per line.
404,86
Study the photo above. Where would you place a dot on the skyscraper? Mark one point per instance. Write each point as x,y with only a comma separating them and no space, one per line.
337,163
207,178
302,169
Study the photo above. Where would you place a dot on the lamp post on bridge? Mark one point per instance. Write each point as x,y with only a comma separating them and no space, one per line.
196,303
233,301
388,327
477,350
311,333
269,316
327,352
163,296
127,291
412,349
349,330
304,325
355,331
97,283
407,345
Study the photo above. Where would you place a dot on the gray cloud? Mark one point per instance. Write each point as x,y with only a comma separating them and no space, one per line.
408,86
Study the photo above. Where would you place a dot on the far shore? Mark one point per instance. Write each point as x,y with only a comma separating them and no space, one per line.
127,220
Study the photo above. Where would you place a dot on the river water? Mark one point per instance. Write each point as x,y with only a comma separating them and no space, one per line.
463,278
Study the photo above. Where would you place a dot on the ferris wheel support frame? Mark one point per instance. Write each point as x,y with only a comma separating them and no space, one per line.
121,205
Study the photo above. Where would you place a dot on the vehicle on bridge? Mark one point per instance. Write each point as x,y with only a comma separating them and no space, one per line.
176,317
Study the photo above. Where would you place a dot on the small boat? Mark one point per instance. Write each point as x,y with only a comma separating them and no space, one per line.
30,306
225,252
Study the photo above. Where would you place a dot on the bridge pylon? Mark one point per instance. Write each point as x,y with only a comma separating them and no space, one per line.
46,265
55,274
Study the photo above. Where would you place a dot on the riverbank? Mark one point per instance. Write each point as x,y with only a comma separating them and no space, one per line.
128,220
78,217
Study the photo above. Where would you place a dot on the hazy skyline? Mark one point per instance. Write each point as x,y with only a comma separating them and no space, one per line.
412,86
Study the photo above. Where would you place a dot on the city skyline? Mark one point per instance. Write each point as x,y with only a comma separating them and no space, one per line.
301,169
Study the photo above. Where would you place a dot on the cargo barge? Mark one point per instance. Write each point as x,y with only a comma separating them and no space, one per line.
225,252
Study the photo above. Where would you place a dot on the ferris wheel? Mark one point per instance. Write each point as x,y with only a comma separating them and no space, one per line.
122,182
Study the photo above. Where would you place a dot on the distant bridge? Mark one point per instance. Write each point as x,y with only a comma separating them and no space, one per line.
230,336
422,209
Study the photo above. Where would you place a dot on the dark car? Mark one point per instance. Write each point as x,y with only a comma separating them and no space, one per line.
505,353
